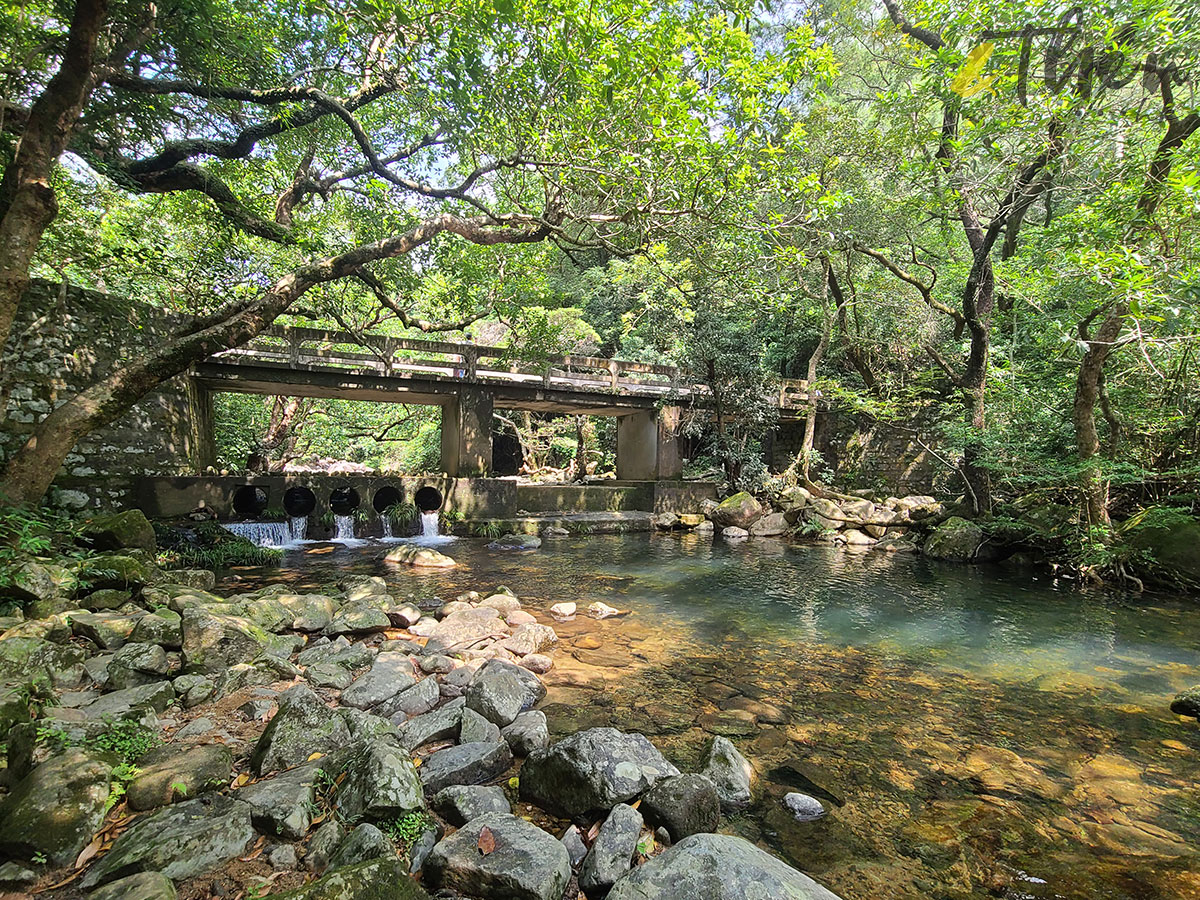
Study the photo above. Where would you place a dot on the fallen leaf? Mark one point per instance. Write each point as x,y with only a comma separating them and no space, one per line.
241,780
316,755
487,841
257,851
89,851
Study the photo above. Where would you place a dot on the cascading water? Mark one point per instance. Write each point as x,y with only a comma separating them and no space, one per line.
297,528
343,528
429,524
385,522
271,534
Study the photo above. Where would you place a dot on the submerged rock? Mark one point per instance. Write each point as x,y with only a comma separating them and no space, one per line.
179,841
803,807
525,863
516,542
717,867
592,770
1187,703
421,557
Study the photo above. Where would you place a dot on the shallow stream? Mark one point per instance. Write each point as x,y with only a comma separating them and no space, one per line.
986,732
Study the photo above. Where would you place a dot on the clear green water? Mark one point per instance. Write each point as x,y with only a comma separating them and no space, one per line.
991,734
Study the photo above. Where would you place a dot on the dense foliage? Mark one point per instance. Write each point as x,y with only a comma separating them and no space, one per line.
977,220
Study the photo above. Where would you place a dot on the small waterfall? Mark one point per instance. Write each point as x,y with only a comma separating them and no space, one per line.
385,522
343,528
297,528
263,534
429,524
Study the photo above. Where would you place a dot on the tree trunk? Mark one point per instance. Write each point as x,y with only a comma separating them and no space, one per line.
27,201
33,467
1093,484
814,361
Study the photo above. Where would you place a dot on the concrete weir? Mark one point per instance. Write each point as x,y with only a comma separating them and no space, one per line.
473,499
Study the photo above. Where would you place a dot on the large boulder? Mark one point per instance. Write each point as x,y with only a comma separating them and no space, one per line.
389,674
956,539
534,690
530,638
43,587
740,511
168,774
1172,539
142,886
528,732
115,571
466,627
283,804
129,530
825,513
302,726
419,557
524,862
107,630
770,525
375,879
592,770
1187,703
460,803
213,642
56,809
179,841
684,805
381,782
717,867
439,725
137,663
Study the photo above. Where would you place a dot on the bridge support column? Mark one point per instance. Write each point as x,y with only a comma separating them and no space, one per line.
646,445
467,434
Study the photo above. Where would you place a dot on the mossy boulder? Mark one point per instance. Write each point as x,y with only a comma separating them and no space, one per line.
127,530
56,809
375,879
739,511
1187,703
213,642
302,726
1169,540
956,539
117,571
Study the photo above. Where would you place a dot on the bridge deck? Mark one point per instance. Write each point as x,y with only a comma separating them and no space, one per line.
308,362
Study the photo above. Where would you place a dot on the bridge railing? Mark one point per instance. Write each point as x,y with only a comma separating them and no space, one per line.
296,346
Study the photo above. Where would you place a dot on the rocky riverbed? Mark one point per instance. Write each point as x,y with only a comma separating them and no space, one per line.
169,741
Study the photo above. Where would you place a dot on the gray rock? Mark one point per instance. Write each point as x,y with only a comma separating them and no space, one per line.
213,642
577,850
501,603
592,770
956,539
108,631
131,703
467,627
770,525
684,805
404,616
98,601
302,726
730,772
436,664
516,542
438,725
381,781
362,843
1187,703
310,612
358,617
611,854
128,530
537,663
163,627
193,690
136,664
389,674
256,710
476,729
142,886
496,694
460,803
322,845
717,867
171,773
55,809
803,807
376,879
283,858
531,638
526,864
527,733
464,764
179,841
364,724
534,690
339,652
420,698
283,804
733,533
15,875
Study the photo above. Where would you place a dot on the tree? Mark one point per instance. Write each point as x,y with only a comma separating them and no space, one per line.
491,123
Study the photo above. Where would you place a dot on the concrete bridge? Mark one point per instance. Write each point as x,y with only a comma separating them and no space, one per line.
469,381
